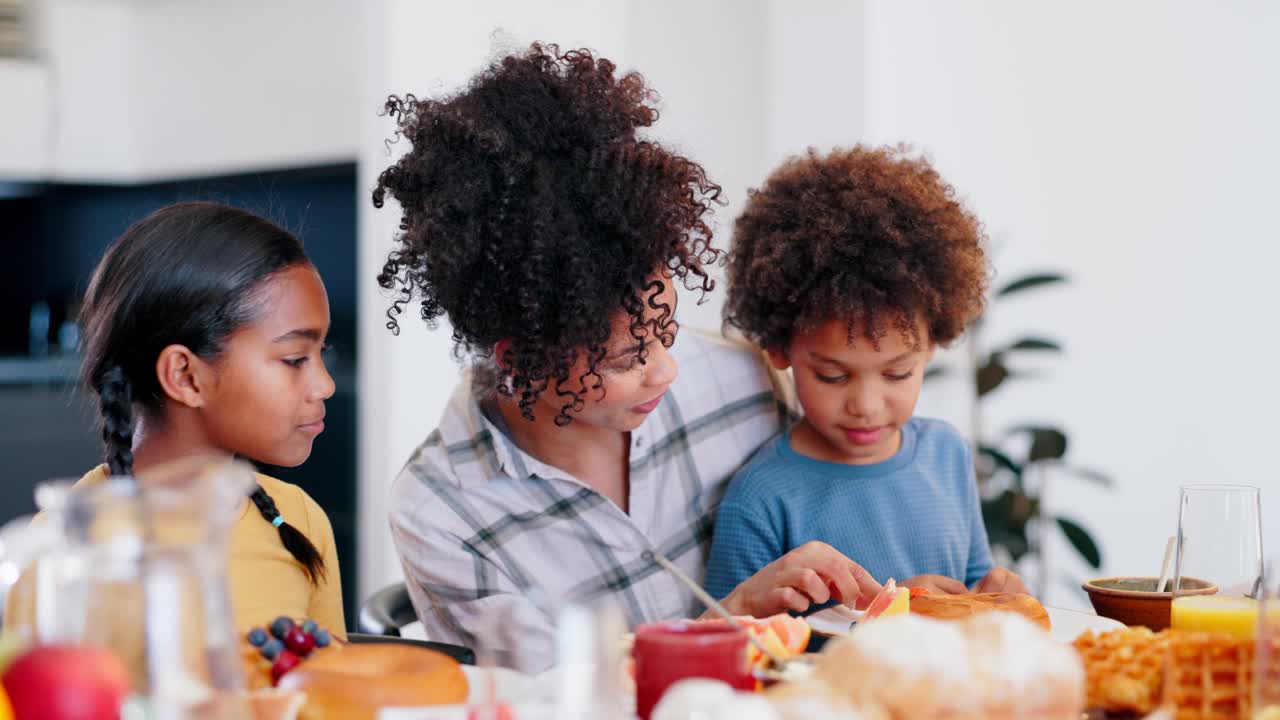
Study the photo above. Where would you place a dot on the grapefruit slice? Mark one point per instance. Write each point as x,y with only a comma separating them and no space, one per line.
900,605
882,600
890,601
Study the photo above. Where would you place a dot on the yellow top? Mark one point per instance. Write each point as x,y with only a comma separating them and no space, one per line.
266,581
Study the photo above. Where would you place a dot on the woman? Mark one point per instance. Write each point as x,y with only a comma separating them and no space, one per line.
552,236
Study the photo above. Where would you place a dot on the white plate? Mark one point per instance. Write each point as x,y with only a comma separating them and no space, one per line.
1067,624
1071,624
510,687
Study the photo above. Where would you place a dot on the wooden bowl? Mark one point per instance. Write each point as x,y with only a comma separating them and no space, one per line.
1134,601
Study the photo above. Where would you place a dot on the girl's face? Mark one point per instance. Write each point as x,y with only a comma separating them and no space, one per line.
266,400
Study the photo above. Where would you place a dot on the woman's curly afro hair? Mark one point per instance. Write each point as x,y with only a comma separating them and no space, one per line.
872,236
532,212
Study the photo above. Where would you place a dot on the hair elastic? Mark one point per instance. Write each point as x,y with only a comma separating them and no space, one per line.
278,521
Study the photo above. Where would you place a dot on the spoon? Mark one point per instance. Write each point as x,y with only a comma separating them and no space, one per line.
1164,565
713,604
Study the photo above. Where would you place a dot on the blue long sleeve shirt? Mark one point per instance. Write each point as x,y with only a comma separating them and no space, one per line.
914,513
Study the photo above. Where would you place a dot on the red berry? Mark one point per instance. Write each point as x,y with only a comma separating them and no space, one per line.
285,662
299,641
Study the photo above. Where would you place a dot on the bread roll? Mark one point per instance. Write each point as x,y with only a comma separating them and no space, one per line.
352,682
959,607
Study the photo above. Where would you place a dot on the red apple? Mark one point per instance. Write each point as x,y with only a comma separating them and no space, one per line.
64,682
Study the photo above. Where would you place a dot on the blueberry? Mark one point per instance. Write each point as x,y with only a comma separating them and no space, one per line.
280,626
322,638
310,627
257,637
271,649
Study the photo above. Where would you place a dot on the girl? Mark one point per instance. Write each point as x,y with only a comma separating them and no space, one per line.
203,326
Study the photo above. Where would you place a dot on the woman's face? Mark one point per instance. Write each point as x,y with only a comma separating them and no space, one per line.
629,389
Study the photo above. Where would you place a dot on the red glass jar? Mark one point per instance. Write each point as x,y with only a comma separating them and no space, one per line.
666,653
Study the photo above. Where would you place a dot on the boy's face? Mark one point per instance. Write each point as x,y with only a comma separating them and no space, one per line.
856,397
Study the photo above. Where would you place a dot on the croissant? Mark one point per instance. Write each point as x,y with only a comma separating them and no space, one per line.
959,607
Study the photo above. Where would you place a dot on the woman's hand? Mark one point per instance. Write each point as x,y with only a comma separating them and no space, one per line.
812,574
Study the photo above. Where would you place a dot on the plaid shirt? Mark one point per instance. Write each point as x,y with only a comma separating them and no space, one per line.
494,541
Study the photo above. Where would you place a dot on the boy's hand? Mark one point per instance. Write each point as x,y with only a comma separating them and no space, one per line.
936,583
813,573
1001,580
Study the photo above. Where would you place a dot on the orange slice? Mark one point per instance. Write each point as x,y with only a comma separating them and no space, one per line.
793,632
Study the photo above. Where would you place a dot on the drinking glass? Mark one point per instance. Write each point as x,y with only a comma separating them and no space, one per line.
138,565
1219,551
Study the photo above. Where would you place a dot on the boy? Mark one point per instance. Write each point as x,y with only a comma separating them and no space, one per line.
851,268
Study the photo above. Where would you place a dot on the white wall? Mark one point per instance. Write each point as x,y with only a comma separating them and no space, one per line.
1131,145
241,85
88,68
23,132
126,91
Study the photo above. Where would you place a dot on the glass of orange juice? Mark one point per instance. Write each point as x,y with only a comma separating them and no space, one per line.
1217,576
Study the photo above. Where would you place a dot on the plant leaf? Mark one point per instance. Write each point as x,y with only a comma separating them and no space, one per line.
1000,459
1005,519
1082,541
1047,443
1091,475
1035,343
1017,547
991,374
1030,281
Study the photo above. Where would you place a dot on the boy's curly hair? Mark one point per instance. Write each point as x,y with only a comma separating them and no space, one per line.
532,212
873,236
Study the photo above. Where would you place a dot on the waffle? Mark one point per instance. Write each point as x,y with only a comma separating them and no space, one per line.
1210,677
1124,669
1268,678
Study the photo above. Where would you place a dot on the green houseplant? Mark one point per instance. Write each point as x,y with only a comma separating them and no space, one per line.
1007,463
